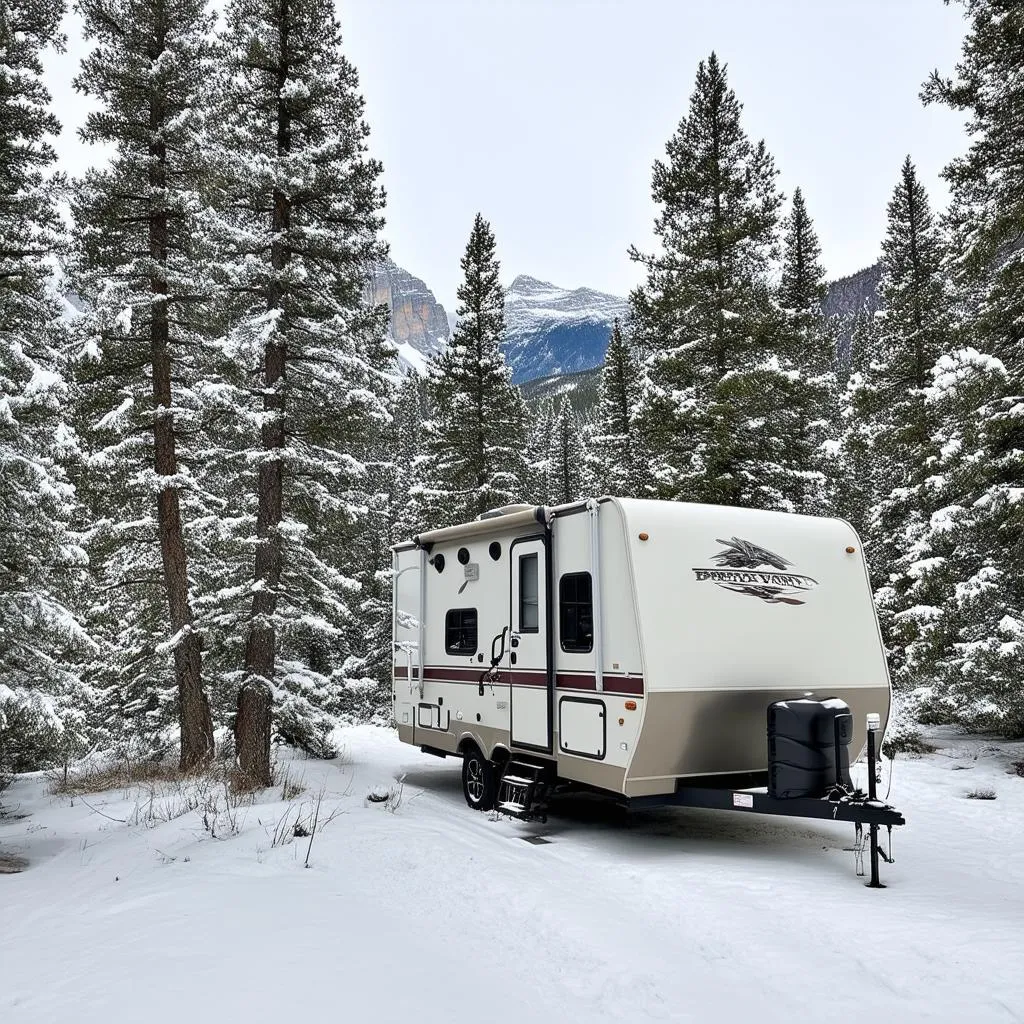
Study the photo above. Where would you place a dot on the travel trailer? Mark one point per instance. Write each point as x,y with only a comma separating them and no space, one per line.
633,647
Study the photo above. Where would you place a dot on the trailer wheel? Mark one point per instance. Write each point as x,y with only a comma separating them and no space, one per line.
479,780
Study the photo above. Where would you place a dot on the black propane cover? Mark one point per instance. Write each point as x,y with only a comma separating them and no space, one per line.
808,747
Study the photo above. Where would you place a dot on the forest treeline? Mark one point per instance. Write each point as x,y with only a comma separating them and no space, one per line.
204,467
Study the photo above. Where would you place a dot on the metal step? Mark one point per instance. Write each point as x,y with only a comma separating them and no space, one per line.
523,791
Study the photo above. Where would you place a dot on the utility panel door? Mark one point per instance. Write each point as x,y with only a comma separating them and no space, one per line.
528,657
582,727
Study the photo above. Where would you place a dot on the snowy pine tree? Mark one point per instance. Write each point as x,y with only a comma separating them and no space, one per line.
889,401
302,211
616,450
976,539
140,265
954,588
539,429
705,315
44,704
806,420
411,410
565,456
802,287
475,442
856,479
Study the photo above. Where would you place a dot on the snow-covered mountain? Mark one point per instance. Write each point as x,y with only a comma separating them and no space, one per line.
551,330
419,323
548,330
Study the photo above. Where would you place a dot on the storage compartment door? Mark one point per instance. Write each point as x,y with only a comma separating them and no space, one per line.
582,727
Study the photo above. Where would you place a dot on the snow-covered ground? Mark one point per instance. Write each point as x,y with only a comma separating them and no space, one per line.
428,911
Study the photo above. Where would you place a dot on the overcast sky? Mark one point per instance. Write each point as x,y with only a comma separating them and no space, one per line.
546,116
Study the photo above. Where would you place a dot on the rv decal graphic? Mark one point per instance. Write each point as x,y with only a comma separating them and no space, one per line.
740,568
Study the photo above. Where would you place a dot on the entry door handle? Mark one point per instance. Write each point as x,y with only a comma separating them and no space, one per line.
495,658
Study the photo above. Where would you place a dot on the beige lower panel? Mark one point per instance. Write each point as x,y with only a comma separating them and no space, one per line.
710,732
485,737
592,773
576,769
650,787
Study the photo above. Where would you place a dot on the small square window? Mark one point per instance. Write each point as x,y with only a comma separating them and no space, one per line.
576,612
460,631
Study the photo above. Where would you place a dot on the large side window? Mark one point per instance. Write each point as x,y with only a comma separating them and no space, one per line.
529,603
576,612
460,631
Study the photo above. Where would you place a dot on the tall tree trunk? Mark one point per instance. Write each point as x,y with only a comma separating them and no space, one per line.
252,724
193,707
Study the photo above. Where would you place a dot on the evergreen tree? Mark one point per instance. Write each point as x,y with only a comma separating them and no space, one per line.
390,437
802,287
539,430
955,584
981,618
475,443
302,214
912,332
43,701
705,317
856,479
410,412
140,266
617,452
565,458
806,420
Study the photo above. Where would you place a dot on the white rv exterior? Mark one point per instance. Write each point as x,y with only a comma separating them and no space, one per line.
643,640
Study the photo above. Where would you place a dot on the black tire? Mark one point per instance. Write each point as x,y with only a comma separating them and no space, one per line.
479,780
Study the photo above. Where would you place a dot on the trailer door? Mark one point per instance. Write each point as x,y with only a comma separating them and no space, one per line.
529,661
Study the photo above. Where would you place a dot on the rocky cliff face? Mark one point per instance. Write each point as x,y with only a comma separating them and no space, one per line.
419,324
554,330
848,296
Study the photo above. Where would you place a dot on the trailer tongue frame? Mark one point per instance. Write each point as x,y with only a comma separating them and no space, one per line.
749,793
860,810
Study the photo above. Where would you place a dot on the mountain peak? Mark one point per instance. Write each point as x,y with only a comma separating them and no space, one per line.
526,285
556,330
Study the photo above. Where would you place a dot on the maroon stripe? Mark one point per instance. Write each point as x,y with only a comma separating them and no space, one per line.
622,684
575,681
633,685
528,678
612,684
465,675
402,672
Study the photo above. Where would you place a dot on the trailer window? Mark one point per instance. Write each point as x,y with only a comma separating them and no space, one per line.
460,631
576,612
529,603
